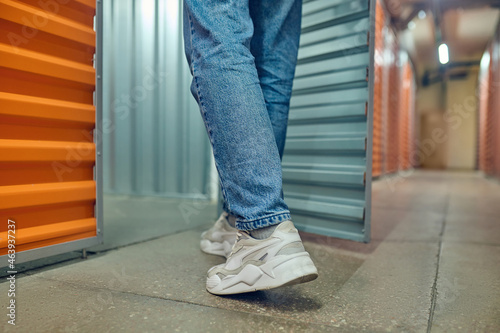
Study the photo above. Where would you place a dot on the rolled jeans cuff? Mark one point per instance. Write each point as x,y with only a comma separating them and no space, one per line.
263,222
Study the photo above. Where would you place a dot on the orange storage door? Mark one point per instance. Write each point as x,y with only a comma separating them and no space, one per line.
378,88
49,174
405,118
393,111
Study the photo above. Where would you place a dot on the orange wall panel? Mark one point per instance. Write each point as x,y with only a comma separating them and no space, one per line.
393,108
378,158
489,109
393,111
47,119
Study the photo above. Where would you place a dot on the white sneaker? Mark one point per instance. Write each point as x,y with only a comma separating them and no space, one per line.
259,264
219,239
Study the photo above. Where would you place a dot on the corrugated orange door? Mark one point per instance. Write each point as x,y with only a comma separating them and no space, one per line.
393,111
484,91
405,117
48,145
378,158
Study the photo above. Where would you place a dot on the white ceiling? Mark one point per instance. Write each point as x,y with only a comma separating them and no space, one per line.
465,29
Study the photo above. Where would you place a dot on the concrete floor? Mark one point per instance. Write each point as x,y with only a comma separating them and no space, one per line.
433,265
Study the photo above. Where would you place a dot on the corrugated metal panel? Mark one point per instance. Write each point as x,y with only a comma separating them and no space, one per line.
484,121
156,143
378,116
406,115
47,121
393,106
327,159
496,92
489,120
490,147
489,115
404,119
412,124
394,92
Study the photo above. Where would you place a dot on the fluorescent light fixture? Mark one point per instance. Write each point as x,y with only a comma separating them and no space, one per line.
421,14
411,25
485,60
443,54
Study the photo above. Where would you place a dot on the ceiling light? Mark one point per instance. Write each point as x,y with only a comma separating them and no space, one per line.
421,14
411,25
443,54
485,60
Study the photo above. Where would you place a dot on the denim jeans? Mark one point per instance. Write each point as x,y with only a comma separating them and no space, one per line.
242,54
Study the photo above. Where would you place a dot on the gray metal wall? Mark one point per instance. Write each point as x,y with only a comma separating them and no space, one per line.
327,159
154,139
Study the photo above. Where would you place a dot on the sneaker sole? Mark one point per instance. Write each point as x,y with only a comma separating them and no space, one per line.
275,273
216,248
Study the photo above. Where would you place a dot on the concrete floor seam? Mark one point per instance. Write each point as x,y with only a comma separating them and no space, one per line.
434,286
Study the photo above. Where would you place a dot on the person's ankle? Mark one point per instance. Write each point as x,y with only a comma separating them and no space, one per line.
231,219
263,233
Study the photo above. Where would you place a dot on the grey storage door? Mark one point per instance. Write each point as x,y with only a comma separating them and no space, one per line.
327,159
158,145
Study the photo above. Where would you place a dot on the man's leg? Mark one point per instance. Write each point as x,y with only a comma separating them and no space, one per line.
275,46
226,85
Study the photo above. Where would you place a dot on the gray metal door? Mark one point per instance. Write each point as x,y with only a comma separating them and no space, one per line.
327,159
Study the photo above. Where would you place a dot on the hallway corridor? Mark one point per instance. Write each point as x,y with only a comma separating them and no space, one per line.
433,265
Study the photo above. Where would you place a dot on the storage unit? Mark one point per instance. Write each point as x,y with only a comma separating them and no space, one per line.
489,106
485,162
394,99
407,118
50,147
381,24
327,158
393,107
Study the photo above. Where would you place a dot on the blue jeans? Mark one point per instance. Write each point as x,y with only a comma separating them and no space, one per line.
242,54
